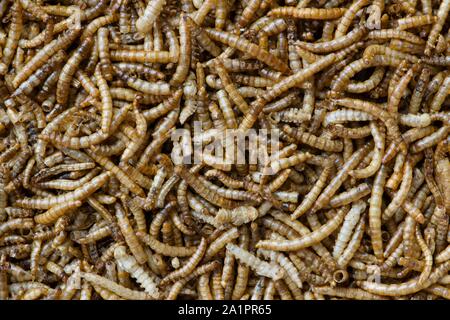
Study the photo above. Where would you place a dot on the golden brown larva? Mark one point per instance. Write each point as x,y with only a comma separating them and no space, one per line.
224,150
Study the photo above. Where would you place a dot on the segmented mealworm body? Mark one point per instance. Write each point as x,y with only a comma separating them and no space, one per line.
15,30
312,238
337,181
247,47
201,189
336,44
437,26
78,194
308,13
121,291
44,54
130,265
69,69
261,267
350,222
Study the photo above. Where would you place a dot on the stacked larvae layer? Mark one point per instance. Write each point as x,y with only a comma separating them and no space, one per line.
112,185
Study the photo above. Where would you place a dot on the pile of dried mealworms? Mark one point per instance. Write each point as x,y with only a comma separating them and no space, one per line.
351,201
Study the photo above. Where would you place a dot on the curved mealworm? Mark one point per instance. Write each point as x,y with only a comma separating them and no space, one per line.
312,238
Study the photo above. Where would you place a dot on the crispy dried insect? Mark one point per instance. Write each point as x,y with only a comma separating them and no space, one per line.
238,216
247,47
350,222
165,249
348,16
263,268
307,13
44,54
309,199
15,29
112,286
312,238
336,44
437,26
298,78
69,69
337,181
130,265
78,194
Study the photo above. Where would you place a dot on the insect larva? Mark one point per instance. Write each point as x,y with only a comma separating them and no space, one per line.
218,292
203,39
203,269
248,13
402,192
121,291
299,77
344,115
437,26
141,56
56,212
348,16
282,103
44,54
141,129
184,60
404,288
308,240
237,216
129,235
308,13
77,194
291,161
230,88
430,140
426,271
317,142
4,288
398,92
167,123
336,182
347,293
309,199
201,189
130,265
350,195
106,106
350,222
15,29
39,75
156,88
221,12
342,80
140,69
119,174
13,224
376,161
103,52
415,21
394,34
412,120
373,109
353,245
336,44
245,46
150,14
69,69
219,243
166,250
262,268
440,95
289,268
